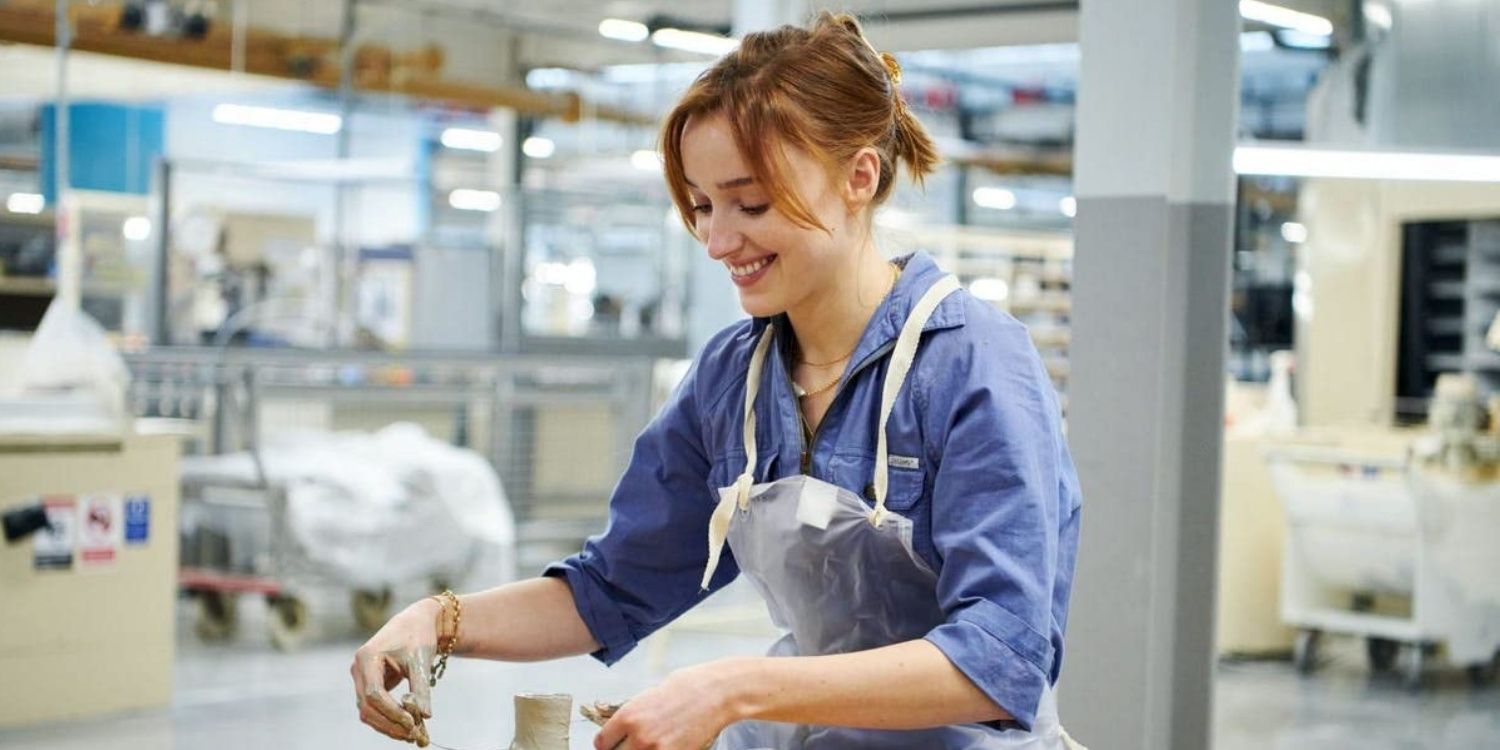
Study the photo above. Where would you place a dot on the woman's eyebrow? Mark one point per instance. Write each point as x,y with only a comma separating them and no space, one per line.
734,183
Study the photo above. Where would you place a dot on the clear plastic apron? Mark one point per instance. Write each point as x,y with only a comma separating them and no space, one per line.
839,576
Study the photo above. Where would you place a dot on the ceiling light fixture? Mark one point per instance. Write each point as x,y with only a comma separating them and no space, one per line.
693,41
999,199
471,140
298,120
465,199
1286,161
1285,18
537,147
25,203
622,30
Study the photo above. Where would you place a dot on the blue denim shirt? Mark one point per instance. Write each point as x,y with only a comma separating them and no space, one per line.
980,466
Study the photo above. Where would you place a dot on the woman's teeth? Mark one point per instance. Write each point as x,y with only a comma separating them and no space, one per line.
746,270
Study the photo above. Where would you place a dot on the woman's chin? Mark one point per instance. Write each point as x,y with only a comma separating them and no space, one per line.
760,305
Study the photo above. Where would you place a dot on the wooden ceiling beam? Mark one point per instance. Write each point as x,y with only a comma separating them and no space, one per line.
312,60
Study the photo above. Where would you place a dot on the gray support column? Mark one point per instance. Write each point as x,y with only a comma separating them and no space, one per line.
505,232
1156,125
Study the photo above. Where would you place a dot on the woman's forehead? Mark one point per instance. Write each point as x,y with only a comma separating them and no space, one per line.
709,151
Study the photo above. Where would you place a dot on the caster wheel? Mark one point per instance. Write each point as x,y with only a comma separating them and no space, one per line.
1383,653
371,608
1305,651
287,622
217,616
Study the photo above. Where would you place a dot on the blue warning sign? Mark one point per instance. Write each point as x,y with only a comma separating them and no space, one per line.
137,519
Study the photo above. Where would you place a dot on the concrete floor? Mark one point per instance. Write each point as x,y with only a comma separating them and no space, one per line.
244,695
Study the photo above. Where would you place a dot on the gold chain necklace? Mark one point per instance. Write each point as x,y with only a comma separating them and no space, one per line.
803,392
833,362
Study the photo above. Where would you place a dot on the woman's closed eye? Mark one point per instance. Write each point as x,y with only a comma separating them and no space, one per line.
706,208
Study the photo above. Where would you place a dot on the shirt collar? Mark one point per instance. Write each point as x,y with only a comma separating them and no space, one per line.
919,273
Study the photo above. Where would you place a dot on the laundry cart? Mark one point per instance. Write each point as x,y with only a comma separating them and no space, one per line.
1380,547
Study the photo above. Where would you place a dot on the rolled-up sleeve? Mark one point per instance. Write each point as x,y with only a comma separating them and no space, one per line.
995,516
644,569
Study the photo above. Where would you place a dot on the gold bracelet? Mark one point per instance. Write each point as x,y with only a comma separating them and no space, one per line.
440,666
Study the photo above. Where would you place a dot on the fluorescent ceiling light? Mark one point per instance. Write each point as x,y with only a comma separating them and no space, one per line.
278,119
537,147
548,78
989,289
999,199
474,200
646,160
136,228
1294,233
471,140
1068,206
25,203
625,31
694,41
1285,18
1365,165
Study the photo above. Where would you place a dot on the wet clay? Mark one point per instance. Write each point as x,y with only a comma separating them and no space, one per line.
542,721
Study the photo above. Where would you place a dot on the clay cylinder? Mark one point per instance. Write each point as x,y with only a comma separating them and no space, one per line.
542,721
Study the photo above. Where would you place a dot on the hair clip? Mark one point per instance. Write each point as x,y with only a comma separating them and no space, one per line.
892,68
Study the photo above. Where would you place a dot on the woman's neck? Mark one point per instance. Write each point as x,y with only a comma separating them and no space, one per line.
829,324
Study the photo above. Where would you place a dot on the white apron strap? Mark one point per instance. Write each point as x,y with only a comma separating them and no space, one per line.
895,375
738,494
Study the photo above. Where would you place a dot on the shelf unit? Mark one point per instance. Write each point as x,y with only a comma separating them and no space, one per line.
1450,294
1028,274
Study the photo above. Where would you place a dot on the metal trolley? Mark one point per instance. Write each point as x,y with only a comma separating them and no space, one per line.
1381,548
235,536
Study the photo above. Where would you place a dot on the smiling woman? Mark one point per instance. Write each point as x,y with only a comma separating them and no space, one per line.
878,450
811,123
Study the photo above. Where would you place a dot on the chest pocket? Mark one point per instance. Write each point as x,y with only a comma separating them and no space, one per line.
729,464
907,485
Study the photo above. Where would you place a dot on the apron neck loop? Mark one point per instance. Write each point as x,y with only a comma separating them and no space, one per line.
739,494
902,357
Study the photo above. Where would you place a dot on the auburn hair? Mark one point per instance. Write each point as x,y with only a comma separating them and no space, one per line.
822,89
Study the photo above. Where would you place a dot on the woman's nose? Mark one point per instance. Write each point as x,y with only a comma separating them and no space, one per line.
721,236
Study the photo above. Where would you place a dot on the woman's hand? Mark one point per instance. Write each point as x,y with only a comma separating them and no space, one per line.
685,712
402,650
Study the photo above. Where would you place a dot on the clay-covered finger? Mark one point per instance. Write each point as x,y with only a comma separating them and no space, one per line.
419,730
419,680
375,720
376,698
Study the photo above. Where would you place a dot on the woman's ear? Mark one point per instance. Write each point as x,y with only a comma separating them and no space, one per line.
862,179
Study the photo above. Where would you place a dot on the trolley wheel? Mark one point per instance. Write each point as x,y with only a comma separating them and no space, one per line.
1305,651
1416,661
1382,652
371,608
217,615
287,621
